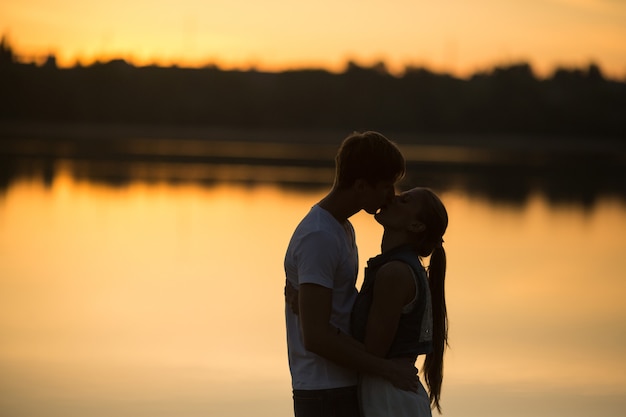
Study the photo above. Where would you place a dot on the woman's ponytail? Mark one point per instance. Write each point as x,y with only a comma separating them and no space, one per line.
433,365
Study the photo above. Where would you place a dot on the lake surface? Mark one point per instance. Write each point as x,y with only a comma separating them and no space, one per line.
154,298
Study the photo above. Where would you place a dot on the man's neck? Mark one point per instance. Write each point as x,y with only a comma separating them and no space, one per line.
340,203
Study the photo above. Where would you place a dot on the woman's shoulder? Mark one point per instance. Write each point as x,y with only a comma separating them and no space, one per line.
394,280
395,272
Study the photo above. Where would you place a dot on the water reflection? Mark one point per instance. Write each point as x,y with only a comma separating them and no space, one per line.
574,172
160,299
508,184
120,173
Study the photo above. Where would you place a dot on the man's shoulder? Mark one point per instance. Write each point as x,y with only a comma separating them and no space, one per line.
316,238
317,221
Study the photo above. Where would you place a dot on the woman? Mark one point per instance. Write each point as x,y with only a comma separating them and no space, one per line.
400,311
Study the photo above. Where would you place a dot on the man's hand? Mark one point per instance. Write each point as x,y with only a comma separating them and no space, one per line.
291,298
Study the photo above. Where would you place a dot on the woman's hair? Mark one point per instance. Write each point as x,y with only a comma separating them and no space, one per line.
434,216
369,156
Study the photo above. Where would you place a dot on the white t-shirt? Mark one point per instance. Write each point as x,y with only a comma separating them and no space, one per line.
323,252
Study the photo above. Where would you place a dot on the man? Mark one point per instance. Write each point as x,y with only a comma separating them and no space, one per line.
321,264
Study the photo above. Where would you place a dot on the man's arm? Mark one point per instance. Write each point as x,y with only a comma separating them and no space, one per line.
291,298
325,340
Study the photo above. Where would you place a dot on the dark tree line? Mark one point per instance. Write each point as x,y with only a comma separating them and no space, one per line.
577,102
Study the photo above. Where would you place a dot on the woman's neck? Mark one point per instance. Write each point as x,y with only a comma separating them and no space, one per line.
392,241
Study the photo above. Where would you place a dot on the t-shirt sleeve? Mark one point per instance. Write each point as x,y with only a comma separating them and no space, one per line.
318,256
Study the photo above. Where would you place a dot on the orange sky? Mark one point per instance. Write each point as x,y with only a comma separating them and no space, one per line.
456,36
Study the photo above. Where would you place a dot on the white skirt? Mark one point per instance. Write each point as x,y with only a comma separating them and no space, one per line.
379,398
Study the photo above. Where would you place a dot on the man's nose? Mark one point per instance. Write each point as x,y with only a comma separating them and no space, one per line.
391,197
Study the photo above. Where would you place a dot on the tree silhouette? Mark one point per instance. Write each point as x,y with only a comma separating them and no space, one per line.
508,99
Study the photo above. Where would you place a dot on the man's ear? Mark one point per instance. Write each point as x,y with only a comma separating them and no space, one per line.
417,227
360,184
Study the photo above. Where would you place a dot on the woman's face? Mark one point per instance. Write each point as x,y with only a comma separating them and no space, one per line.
402,212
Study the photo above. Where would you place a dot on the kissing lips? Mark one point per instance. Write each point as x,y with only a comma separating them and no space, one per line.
380,210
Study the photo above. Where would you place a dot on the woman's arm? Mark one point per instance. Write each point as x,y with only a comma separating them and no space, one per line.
393,289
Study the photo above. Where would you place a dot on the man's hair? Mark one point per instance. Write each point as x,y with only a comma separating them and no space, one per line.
369,156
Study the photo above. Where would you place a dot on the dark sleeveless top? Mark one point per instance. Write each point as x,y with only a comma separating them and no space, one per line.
414,334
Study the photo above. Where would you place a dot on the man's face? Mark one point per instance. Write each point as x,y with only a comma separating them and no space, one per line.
378,195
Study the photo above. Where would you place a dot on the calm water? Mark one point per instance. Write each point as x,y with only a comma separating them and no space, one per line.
154,299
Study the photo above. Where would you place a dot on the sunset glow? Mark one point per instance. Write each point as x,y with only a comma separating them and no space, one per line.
450,36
